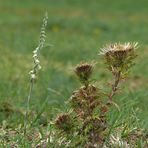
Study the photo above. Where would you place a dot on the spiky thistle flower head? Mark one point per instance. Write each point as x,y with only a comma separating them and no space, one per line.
84,71
119,48
119,57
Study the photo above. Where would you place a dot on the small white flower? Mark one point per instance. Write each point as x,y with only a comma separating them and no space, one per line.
31,72
35,55
35,51
33,76
37,61
39,67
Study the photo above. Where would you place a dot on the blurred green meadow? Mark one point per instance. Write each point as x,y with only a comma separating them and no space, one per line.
77,29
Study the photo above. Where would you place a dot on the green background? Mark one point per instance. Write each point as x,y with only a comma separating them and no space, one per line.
77,29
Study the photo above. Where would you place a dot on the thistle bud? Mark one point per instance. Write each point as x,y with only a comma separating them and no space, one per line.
83,71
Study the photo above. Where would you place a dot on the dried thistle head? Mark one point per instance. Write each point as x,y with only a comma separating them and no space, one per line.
119,57
84,71
118,47
63,122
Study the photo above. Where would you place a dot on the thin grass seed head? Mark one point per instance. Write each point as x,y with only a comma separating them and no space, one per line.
37,66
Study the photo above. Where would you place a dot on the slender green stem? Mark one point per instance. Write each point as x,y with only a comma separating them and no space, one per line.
28,106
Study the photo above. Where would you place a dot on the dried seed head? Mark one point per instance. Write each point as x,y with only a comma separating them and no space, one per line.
83,71
118,48
63,122
119,57
85,99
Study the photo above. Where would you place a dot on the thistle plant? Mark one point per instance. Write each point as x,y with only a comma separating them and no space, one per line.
36,67
86,123
119,60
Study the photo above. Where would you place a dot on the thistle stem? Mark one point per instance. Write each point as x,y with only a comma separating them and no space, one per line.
115,86
86,84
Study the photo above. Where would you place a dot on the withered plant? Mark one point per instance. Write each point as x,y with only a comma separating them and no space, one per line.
86,124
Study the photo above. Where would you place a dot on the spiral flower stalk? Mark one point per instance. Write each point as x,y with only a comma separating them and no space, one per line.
37,66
